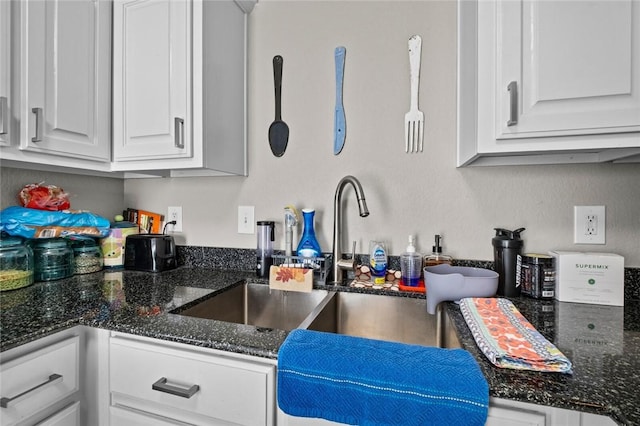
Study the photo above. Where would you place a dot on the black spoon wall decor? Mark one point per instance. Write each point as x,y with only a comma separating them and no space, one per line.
278,131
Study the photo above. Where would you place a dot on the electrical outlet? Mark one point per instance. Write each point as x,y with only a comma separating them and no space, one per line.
245,219
174,213
589,225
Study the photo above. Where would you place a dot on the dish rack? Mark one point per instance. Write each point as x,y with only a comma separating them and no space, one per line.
320,265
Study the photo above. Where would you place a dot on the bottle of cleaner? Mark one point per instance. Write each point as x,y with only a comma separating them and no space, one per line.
308,246
411,265
436,257
378,261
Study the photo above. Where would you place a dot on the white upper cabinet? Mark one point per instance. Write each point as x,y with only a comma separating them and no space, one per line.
5,72
548,81
64,78
179,87
151,80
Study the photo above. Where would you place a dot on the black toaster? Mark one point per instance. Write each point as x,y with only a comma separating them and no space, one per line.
150,253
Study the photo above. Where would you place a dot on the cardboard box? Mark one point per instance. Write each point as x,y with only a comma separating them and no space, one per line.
596,278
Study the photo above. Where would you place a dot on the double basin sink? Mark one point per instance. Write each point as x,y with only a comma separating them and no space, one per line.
384,317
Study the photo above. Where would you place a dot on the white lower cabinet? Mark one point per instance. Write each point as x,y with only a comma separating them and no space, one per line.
158,382
41,382
504,412
129,417
66,417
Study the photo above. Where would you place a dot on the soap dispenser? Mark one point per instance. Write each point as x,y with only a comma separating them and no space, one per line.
436,257
411,265
308,246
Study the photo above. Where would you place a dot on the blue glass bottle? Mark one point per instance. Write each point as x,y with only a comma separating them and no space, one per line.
308,246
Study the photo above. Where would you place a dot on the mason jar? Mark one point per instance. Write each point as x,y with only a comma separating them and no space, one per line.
16,264
53,259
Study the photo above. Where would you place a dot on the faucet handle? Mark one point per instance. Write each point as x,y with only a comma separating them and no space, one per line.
348,263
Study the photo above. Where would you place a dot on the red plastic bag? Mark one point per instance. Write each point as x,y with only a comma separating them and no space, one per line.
41,197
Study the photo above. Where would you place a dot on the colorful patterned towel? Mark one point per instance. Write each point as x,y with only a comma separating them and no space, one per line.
508,339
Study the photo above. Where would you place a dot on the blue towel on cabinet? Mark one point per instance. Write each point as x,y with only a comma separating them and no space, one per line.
362,381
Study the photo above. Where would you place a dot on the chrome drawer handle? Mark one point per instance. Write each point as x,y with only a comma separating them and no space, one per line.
513,103
38,113
179,129
54,378
4,115
162,386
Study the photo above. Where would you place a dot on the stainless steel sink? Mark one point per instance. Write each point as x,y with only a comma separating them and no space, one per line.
258,305
385,317
398,319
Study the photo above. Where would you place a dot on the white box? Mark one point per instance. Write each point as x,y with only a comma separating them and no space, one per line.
596,278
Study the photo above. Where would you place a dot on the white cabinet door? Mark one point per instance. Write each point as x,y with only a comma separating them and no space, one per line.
5,72
65,77
179,87
544,82
574,66
151,79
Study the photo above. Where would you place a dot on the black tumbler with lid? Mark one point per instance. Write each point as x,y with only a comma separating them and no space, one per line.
507,245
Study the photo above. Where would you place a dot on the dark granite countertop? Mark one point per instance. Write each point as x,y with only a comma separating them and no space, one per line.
602,342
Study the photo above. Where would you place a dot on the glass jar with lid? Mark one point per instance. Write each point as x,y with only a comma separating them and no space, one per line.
16,264
87,255
53,259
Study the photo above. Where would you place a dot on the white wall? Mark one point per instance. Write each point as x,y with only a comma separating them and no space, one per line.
102,196
421,194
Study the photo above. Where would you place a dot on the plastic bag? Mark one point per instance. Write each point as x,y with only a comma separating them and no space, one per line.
33,223
49,197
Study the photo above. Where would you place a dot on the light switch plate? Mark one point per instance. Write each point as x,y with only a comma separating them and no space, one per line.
589,225
245,219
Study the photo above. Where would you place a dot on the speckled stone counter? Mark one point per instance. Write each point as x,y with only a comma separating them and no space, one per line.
603,343
132,302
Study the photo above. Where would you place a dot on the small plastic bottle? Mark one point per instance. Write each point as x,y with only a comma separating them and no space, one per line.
378,261
436,257
411,265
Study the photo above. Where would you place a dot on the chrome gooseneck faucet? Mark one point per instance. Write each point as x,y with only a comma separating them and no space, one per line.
340,264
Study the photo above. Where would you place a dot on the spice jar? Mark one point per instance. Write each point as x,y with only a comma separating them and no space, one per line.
53,259
86,254
16,264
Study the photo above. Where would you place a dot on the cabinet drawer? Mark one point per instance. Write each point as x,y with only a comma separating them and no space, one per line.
69,416
35,381
123,416
157,378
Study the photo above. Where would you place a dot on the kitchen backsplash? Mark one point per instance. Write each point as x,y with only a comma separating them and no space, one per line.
245,259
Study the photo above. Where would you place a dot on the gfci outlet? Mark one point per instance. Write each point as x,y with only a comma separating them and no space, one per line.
589,225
